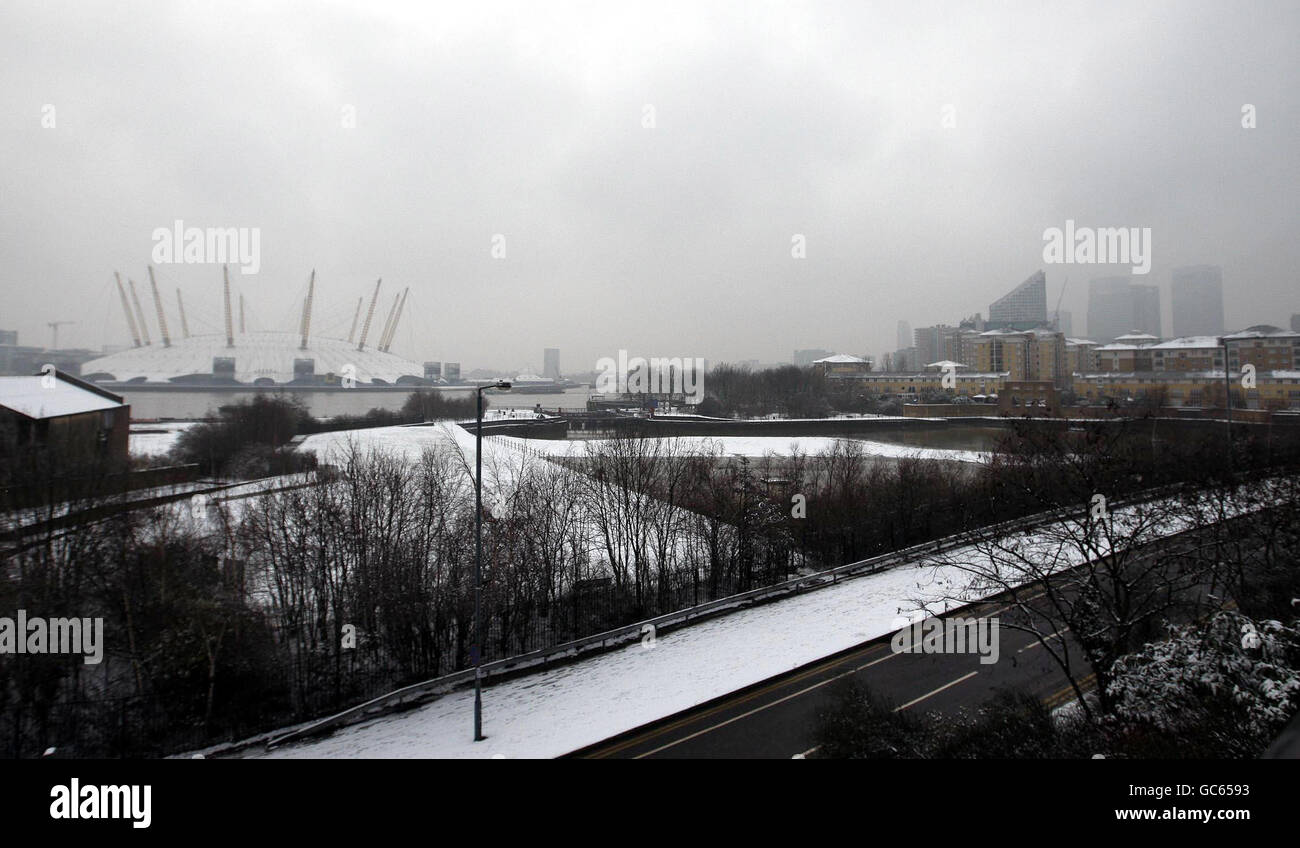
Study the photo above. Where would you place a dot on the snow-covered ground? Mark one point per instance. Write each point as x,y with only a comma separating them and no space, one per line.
499,452
512,414
557,710
561,709
502,454
155,439
501,461
759,446
410,442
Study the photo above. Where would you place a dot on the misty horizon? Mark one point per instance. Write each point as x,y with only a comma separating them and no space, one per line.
645,170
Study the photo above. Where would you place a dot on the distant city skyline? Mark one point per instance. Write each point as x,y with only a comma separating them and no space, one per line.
711,182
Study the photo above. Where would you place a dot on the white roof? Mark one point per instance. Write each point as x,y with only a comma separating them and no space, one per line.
1262,331
256,355
944,363
924,376
1188,341
840,357
40,397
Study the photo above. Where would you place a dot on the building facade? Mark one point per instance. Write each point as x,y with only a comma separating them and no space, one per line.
1264,346
1025,304
1080,355
1191,353
1026,355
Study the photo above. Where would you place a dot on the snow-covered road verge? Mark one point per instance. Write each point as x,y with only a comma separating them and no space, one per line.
561,709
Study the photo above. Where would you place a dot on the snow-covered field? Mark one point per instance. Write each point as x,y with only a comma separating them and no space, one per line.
759,446
411,441
155,439
501,461
502,454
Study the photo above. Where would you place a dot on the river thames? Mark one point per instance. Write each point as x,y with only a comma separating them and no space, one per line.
183,404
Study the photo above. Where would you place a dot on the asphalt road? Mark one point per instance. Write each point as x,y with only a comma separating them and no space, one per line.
777,717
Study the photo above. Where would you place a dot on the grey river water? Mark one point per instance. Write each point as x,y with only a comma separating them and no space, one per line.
200,404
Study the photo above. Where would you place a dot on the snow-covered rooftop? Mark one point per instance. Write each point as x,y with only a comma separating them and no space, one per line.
1262,331
1037,332
1188,342
43,397
840,358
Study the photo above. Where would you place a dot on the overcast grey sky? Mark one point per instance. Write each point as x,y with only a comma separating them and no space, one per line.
526,120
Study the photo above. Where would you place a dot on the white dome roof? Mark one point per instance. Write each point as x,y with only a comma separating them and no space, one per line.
260,355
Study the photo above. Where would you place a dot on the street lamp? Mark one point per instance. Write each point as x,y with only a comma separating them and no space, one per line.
1227,397
478,558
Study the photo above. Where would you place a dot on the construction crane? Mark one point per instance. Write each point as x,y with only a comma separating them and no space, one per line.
54,325
1056,315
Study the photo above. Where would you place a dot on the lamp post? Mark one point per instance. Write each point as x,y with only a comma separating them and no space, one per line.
478,558
1227,398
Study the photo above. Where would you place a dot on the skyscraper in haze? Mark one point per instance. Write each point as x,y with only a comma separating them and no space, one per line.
1117,307
1197,296
1146,310
937,343
904,334
551,366
1024,306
